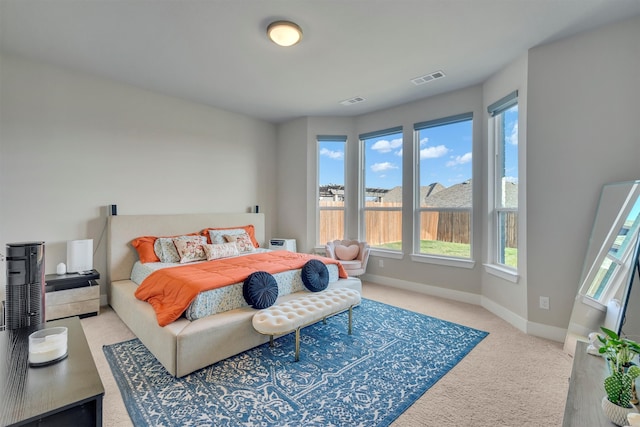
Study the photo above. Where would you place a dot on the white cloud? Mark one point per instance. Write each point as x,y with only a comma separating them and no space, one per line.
384,146
433,152
399,153
384,166
336,155
513,137
460,160
424,140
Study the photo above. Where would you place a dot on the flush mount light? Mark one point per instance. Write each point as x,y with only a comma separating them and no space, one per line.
284,33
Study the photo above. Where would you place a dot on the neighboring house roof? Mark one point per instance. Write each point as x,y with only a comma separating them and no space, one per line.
456,196
460,196
434,195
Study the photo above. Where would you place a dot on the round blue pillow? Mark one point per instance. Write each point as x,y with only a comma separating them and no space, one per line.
260,290
315,275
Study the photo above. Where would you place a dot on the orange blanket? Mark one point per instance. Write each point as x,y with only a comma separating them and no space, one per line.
171,290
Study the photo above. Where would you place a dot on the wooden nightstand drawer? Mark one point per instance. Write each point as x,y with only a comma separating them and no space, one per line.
72,302
72,295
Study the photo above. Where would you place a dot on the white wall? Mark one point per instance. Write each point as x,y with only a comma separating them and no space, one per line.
578,103
511,298
583,111
71,144
405,272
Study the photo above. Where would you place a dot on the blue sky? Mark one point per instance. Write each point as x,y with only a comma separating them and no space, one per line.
445,156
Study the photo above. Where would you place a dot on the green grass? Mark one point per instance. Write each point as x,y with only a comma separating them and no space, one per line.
460,250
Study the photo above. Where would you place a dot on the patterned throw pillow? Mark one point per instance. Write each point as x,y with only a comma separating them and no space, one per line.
165,248
220,250
242,241
217,236
191,249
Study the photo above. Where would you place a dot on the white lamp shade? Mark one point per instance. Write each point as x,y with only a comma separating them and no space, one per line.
284,33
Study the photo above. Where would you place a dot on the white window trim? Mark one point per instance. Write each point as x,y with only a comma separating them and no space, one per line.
503,272
319,139
362,191
493,267
416,255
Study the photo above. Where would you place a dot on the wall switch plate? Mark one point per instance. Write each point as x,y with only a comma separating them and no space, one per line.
544,303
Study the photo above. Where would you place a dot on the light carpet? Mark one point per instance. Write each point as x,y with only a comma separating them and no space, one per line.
367,379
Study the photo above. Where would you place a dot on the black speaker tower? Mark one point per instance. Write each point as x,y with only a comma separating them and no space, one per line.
24,304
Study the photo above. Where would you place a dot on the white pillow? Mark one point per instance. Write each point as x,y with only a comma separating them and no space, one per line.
347,253
221,250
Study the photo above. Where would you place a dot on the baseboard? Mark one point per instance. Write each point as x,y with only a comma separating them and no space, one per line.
424,289
531,328
546,331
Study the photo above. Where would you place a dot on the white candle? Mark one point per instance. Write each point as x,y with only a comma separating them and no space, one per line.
47,345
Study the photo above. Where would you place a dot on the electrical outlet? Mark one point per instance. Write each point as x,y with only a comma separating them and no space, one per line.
381,263
544,303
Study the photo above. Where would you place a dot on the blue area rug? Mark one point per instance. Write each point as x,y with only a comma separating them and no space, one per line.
365,379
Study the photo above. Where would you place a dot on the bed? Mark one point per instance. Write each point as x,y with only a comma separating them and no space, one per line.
183,345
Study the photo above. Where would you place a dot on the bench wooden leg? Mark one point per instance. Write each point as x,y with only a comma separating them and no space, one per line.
297,344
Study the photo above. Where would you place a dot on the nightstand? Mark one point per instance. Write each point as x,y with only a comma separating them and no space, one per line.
72,294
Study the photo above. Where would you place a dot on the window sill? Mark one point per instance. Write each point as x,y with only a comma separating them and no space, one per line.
593,303
386,254
449,262
502,272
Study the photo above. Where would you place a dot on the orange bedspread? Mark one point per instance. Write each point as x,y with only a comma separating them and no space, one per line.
171,290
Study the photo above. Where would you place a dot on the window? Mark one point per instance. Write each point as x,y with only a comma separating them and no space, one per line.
617,254
331,188
444,153
381,202
504,131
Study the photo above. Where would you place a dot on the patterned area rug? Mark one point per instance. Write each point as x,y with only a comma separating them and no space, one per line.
365,379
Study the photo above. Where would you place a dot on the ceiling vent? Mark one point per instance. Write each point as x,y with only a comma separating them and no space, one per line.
428,78
354,100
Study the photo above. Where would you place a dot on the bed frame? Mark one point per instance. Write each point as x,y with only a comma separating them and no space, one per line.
182,346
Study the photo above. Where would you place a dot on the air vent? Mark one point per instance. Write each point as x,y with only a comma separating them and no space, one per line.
352,101
428,78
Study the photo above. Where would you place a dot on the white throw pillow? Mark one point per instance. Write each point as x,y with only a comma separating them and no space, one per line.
347,253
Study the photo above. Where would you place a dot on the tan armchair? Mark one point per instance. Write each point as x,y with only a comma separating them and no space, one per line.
352,254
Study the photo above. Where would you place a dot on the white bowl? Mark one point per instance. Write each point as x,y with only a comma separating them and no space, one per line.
47,346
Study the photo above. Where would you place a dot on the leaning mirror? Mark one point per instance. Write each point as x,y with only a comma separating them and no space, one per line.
609,292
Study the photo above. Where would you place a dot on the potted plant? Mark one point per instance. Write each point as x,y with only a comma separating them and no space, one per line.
619,385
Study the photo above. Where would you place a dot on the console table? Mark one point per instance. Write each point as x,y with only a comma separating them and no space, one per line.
583,406
66,393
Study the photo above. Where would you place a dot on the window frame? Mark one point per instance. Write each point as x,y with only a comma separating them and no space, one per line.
362,207
497,140
417,255
331,138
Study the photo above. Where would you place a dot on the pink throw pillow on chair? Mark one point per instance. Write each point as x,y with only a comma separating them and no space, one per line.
347,253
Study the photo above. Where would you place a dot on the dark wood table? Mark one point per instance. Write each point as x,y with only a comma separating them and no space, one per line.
68,392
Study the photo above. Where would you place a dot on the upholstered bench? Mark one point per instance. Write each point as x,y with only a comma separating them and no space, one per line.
294,314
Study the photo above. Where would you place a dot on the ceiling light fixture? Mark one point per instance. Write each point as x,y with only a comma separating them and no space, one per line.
284,33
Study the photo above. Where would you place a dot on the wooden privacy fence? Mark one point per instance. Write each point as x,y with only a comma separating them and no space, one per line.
385,226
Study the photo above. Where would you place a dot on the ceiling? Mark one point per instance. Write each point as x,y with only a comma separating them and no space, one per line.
216,52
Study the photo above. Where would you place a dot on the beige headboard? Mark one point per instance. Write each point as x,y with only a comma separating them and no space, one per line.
123,228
